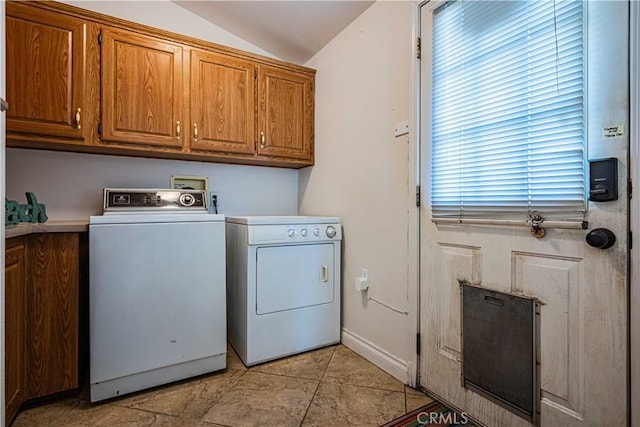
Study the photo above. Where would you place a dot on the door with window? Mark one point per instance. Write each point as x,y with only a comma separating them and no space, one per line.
516,99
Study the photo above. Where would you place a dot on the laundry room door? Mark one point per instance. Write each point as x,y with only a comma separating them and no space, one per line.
583,290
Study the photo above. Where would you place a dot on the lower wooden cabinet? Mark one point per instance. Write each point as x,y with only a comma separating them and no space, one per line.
52,315
15,325
42,308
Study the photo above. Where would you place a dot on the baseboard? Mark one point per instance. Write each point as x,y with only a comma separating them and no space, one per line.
387,362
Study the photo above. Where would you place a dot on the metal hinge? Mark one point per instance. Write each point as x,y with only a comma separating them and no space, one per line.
100,37
418,191
418,343
4,105
418,47
99,128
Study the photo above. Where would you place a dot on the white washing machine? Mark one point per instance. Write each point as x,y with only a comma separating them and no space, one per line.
283,285
157,290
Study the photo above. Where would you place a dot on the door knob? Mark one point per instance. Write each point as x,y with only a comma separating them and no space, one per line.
601,238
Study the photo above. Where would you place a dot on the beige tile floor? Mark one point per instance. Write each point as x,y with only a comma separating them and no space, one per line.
332,386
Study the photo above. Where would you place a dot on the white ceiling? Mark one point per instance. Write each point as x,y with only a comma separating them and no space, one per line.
290,30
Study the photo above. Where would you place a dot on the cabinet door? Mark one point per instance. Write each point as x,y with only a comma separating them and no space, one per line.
52,306
142,90
222,103
285,114
45,72
15,286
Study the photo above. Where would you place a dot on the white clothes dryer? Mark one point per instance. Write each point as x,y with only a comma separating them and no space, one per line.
283,285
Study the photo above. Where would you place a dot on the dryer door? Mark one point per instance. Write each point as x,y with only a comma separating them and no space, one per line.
291,277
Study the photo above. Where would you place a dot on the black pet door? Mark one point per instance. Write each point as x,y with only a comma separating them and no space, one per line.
500,357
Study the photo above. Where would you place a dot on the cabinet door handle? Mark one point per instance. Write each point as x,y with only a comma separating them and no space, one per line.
4,105
78,119
195,131
262,139
178,130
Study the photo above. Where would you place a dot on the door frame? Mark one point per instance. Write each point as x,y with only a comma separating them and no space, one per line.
2,228
634,174
413,226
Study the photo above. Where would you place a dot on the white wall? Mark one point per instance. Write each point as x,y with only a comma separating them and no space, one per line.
70,184
362,171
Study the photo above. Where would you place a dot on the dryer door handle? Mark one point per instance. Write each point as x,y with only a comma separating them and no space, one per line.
324,273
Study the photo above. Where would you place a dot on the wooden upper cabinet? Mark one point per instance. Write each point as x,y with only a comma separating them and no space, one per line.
222,103
86,82
45,72
285,113
142,90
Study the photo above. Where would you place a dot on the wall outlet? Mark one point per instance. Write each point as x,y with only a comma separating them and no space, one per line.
214,201
362,282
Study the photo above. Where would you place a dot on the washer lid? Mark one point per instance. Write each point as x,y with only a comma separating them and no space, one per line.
282,220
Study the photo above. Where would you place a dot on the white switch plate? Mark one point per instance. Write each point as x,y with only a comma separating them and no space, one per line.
402,128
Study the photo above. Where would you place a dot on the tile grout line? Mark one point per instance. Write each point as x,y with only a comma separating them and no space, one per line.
405,400
231,386
318,386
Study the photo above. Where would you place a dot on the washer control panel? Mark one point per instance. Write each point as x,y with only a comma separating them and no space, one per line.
295,233
145,200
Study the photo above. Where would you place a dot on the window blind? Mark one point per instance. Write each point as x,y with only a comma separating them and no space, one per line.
508,113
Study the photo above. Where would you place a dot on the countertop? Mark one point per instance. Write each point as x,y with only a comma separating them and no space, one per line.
76,226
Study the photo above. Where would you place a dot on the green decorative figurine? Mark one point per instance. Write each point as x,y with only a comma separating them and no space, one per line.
11,212
31,212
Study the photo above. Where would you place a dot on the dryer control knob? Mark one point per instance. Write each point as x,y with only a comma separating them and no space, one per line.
331,231
316,232
291,232
303,232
